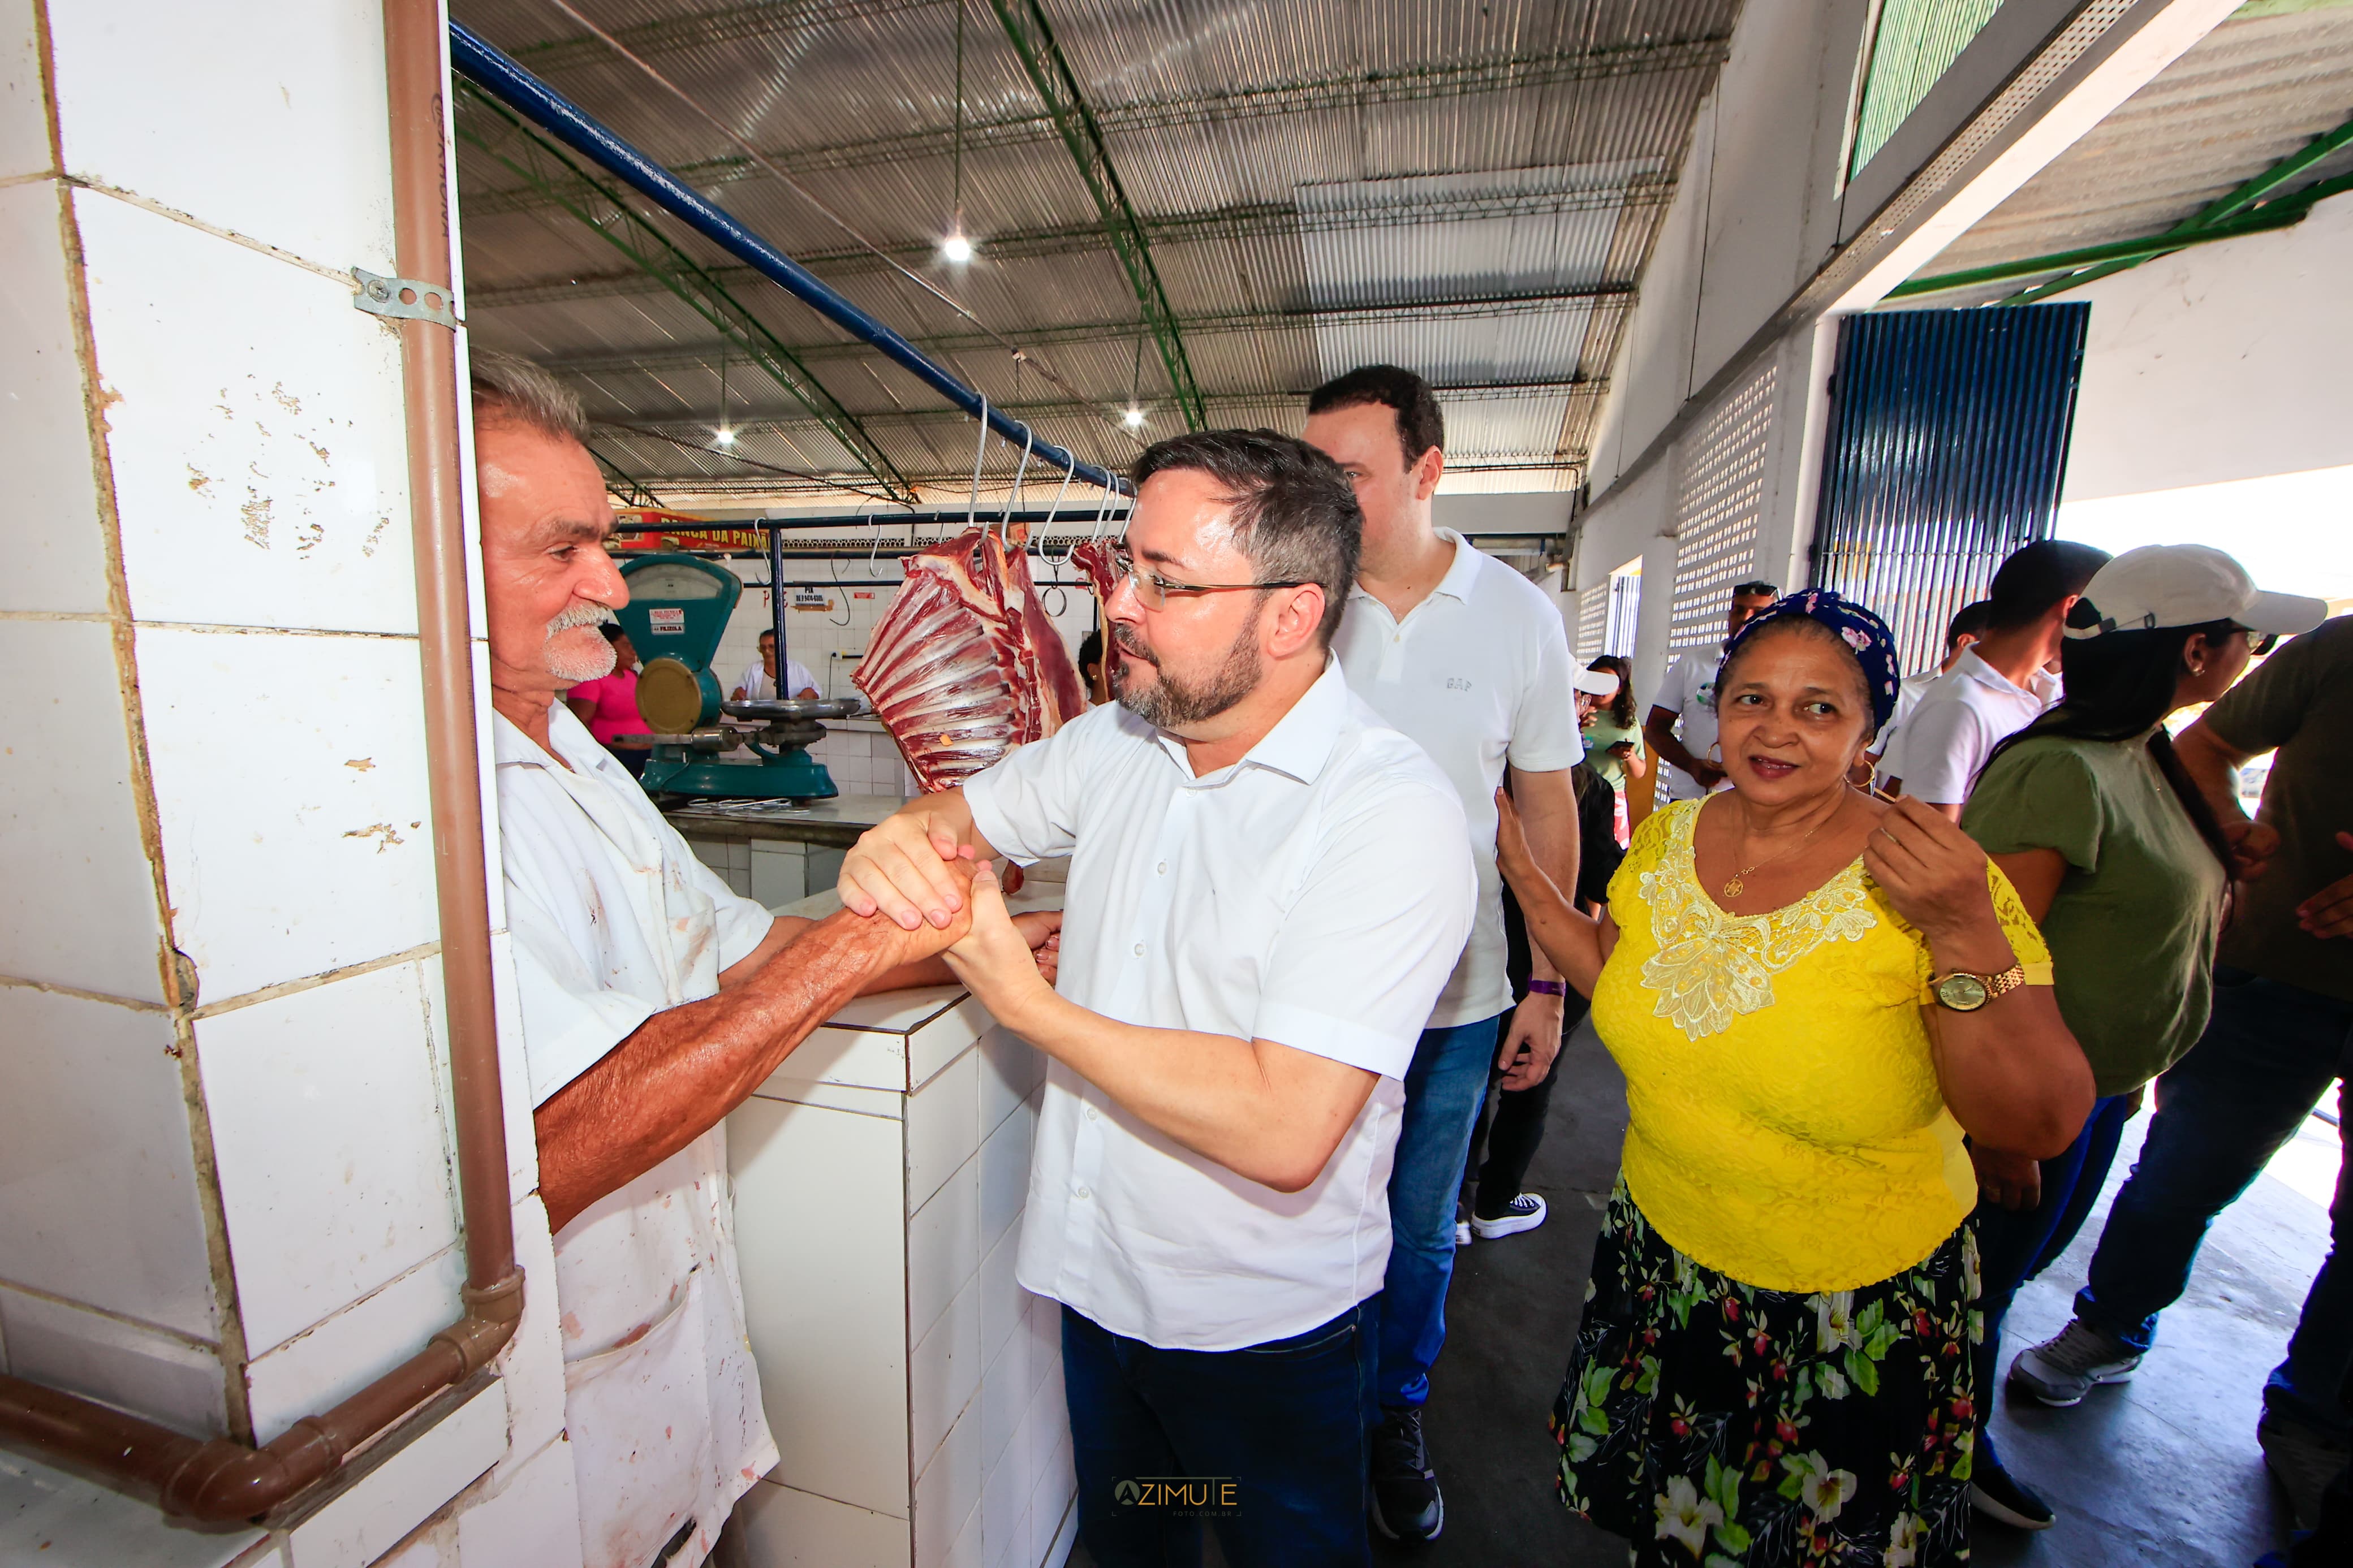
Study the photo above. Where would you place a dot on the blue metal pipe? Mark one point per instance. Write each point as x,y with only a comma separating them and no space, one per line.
569,123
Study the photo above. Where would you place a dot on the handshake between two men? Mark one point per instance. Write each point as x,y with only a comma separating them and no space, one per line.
918,871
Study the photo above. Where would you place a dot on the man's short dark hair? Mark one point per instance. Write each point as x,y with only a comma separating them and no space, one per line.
1090,651
767,633
2037,577
1295,514
1971,620
1419,425
511,390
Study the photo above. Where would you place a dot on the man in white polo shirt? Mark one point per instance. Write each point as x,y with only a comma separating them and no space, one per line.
1998,684
1470,659
1267,887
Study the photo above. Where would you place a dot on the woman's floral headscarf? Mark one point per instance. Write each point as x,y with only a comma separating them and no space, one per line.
1866,634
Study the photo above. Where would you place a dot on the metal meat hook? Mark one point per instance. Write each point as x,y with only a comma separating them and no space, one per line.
972,500
1013,496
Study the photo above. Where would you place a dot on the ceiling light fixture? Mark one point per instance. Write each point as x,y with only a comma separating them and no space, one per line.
1132,418
725,436
957,248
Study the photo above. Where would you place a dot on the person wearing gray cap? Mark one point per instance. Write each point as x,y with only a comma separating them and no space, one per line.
2125,865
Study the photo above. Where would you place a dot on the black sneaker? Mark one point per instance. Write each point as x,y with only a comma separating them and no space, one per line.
1522,1213
1993,1493
1405,1501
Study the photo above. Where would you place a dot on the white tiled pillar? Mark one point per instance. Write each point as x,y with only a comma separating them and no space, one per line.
226,1191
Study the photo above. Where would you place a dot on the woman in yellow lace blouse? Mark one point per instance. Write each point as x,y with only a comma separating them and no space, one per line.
1813,994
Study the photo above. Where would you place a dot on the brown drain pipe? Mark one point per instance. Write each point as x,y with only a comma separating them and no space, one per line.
219,1480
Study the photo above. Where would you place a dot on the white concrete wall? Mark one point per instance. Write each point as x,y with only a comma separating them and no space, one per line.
1760,208
2221,362
226,1193
1755,215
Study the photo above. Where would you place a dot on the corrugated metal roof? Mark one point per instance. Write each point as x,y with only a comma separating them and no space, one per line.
2251,92
1469,187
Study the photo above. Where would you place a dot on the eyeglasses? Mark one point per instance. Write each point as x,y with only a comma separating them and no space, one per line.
1751,590
2258,643
1152,590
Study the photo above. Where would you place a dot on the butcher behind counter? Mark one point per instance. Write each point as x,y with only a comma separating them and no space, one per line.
654,1001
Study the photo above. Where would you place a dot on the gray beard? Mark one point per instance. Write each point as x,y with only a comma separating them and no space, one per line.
603,657
1168,702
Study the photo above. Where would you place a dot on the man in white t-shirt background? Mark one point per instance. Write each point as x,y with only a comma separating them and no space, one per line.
1267,887
2000,683
1681,726
1470,660
758,681
1961,633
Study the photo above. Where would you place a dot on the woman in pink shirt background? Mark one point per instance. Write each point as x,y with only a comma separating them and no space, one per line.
608,705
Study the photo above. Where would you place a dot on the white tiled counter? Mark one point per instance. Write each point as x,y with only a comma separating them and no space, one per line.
915,1390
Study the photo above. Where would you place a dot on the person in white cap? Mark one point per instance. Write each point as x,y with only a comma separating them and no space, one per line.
2281,1034
2124,865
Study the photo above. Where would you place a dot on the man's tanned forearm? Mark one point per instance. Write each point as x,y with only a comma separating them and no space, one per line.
1547,807
683,1069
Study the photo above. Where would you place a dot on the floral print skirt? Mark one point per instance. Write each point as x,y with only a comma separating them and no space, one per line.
1721,1425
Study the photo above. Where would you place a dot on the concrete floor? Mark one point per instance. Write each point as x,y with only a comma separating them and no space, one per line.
2162,1469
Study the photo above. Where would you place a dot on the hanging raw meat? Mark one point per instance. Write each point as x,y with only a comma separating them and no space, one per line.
965,666
1094,558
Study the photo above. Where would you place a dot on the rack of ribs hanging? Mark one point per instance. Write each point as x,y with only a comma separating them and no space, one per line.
965,666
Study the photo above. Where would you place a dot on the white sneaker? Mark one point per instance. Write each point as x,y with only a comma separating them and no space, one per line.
2061,1371
1527,1212
1461,1233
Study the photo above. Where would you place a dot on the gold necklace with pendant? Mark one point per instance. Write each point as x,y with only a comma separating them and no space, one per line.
1736,887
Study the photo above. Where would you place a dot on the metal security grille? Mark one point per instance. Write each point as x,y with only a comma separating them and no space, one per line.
1622,619
1720,494
1592,621
1947,442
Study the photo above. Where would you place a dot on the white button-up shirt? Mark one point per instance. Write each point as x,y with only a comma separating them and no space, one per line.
1964,716
1316,893
614,919
1689,692
1477,675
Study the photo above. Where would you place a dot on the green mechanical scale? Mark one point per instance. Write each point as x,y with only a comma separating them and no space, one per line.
678,610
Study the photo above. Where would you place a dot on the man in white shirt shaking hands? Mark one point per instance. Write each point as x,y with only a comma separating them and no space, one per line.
1267,888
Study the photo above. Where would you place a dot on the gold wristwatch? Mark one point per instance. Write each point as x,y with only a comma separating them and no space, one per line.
1965,992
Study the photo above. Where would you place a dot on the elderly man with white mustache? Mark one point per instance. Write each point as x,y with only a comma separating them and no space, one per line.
653,1001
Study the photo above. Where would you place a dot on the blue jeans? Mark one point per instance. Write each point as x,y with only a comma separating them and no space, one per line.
2223,1112
1443,1090
1269,1444
2013,1246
